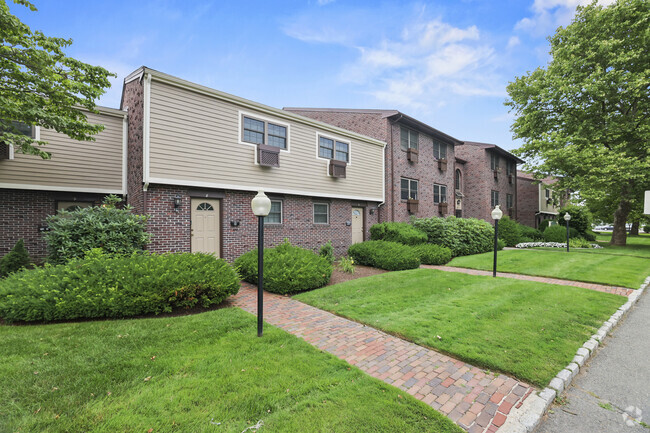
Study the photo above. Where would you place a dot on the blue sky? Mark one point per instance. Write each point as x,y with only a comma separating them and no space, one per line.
446,63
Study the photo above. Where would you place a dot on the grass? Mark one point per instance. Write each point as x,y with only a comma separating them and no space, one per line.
186,374
609,269
529,330
635,246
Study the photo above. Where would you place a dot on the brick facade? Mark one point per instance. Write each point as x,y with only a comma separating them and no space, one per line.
479,180
171,228
528,201
386,126
23,212
133,103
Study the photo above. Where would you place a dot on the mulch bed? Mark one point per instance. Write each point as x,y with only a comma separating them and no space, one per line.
338,276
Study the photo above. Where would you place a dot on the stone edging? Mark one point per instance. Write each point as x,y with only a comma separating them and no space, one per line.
528,417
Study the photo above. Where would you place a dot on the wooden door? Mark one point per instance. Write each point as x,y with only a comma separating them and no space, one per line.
206,227
357,225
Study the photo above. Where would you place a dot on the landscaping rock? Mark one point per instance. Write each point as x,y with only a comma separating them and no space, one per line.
579,359
591,345
557,384
573,368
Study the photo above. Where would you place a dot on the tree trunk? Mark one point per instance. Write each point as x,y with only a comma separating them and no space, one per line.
619,235
634,231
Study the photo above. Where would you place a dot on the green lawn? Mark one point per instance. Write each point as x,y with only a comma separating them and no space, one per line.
186,374
529,330
636,246
577,265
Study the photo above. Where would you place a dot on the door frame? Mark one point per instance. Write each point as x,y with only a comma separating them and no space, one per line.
220,198
364,220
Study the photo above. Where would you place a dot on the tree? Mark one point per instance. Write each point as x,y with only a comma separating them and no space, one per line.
585,117
40,85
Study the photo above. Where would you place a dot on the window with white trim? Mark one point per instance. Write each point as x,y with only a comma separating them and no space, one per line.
71,206
439,150
494,161
275,215
333,149
321,213
439,193
509,201
257,131
408,138
409,189
510,167
494,199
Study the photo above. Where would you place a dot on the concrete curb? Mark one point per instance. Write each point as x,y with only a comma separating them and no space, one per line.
529,415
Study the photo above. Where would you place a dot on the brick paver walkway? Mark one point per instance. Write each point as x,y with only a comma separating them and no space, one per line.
475,400
599,287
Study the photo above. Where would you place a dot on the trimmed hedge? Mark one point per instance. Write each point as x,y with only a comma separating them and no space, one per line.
402,233
557,233
432,254
390,256
463,236
509,231
530,233
15,260
100,286
287,269
546,224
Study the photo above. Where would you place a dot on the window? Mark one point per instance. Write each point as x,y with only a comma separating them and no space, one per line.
321,213
327,149
494,161
458,179
261,132
439,193
408,139
439,150
548,193
275,215
494,199
72,205
18,128
204,206
509,201
509,167
409,189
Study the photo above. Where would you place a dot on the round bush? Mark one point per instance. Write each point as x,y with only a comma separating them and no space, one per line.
530,233
15,260
287,269
557,233
432,254
580,218
100,286
546,224
509,231
116,231
463,236
646,229
390,256
402,233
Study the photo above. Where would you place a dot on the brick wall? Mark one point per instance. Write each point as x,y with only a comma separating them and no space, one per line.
133,102
528,201
479,183
170,228
22,212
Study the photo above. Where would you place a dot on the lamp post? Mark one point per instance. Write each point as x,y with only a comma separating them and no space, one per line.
261,206
497,213
567,218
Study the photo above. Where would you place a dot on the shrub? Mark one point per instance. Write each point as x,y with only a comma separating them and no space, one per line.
589,235
15,259
327,252
432,254
646,229
500,244
347,265
402,233
101,286
463,236
545,224
391,256
509,231
287,269
579,243
580,218
557,233
116,231
530,233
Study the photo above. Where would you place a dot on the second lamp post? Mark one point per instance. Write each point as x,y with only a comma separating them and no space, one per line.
497,213
567,218
261,205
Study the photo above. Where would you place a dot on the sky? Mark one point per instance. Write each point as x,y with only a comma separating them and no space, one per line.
445,63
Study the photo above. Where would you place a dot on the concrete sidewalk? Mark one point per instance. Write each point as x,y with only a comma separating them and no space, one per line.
614,385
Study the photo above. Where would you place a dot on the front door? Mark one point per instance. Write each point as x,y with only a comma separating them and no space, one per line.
206,226
357,225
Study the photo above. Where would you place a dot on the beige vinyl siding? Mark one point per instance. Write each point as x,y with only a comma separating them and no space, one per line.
197,138
75,165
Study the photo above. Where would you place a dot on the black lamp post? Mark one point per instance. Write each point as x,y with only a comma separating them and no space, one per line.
497,213
261,205
567,218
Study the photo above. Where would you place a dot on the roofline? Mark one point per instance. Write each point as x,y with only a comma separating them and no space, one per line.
198,88
386,114
495,147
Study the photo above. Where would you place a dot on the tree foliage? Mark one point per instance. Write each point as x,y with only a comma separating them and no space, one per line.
585,117
40,85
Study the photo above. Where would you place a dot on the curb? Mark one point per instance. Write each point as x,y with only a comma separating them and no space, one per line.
528,417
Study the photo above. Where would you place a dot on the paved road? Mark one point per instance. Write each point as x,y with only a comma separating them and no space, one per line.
617,377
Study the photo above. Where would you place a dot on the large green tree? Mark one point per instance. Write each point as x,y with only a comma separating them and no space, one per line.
40,85
585,117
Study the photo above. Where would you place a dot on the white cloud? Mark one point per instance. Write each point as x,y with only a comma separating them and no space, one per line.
550,14
513,42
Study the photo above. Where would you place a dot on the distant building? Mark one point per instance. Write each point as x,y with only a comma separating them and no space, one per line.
538,201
